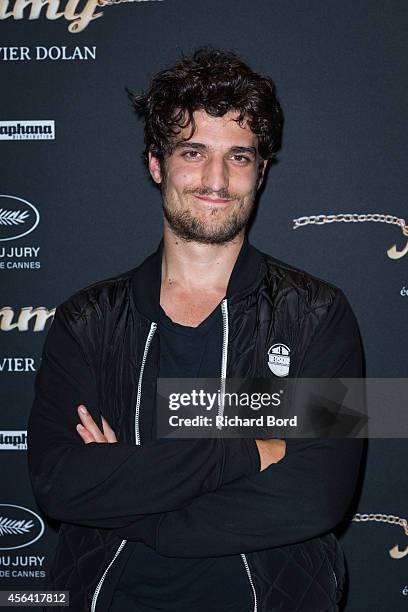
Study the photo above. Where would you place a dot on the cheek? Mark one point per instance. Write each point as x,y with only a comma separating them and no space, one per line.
244,182
183,178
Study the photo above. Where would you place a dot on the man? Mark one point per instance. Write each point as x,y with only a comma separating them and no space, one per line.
176,525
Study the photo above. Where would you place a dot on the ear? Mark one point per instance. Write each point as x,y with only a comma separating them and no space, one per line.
262,172
154,168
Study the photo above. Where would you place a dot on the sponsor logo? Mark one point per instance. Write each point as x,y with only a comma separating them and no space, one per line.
17,364
19,258
52,53
404,291
13,440
17,217
19,565
37,316
279,359
80,18
392,252
27,130
19,527
405,590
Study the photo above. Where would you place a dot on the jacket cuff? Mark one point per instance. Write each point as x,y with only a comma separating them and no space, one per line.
241,458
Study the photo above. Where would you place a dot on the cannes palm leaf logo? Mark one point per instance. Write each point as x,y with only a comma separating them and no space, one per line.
13,217
14,527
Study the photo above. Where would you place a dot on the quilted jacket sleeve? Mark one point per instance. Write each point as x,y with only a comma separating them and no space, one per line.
109,485
303,496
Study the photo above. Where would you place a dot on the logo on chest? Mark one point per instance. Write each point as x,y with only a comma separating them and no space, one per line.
279,359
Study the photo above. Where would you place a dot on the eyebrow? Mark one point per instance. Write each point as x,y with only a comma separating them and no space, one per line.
185,144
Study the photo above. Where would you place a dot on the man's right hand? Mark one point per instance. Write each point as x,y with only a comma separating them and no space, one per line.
90,432
270,451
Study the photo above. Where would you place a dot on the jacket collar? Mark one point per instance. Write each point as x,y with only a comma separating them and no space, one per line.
146,278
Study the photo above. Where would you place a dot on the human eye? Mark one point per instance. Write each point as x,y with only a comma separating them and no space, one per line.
241,159
192,154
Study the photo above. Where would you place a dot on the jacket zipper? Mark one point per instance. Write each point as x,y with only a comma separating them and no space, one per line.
152,330
153,326
251,582
100,583
335,577
121,546
225,330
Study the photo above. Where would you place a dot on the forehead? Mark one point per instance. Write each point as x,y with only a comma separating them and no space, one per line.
219,131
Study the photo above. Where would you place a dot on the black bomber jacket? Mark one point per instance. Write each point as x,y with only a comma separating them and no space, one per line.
192,498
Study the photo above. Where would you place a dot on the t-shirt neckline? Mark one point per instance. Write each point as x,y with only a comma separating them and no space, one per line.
187,330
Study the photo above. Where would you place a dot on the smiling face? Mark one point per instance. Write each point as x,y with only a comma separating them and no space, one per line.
209,182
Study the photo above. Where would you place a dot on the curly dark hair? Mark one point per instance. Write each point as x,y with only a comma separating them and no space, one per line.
213,80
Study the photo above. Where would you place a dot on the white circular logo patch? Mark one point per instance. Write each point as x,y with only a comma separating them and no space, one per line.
279,359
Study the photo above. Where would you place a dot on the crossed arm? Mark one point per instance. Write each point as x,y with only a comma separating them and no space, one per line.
176,497
109,485
303,494
270,451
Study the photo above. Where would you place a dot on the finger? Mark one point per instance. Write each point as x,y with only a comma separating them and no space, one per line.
90,425
108,431
85,435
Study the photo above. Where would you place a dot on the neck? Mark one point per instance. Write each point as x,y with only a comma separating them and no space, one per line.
196,266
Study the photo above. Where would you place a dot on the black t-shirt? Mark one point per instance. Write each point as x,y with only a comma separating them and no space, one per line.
151,582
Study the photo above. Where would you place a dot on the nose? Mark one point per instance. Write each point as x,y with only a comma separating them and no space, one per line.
215,174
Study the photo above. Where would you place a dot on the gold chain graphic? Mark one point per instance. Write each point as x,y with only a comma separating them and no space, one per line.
392,252
112,2
394,552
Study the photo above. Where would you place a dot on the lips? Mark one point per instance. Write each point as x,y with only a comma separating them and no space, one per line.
213,200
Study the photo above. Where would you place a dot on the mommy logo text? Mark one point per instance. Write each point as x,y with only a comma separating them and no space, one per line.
26,319
80,17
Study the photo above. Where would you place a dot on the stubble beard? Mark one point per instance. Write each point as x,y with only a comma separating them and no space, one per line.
189,227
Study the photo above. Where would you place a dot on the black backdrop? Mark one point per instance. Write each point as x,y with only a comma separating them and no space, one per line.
340,70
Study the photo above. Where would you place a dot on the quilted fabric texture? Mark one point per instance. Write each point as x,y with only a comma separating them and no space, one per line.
305,580
80,559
